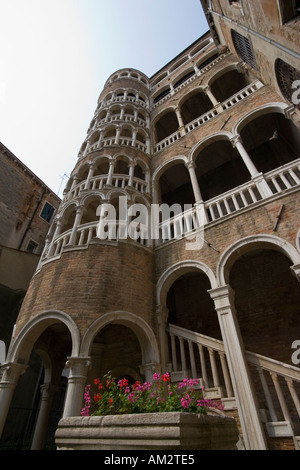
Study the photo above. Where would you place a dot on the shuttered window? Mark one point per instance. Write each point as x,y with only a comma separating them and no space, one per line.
287,76
244,48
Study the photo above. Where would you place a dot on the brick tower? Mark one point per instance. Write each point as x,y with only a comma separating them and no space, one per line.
209,289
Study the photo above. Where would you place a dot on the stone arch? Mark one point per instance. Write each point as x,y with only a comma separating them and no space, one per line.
164,166
144,333
244,245
260,111
207,141
171,274
22,344
173,174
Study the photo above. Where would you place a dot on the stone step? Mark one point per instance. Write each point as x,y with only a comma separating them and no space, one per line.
297,442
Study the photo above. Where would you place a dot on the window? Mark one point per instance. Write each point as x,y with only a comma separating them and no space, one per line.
47,212
32,247
288,9
244,48
287,76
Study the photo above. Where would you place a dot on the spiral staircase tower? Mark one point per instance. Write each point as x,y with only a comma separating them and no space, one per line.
92,298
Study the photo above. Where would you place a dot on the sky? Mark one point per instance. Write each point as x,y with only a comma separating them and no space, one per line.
55,57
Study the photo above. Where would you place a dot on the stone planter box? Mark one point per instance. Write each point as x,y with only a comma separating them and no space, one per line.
149,431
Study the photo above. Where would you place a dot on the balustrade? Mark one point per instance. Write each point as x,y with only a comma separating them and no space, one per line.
280,383
198,122
242,197
285,177
211,365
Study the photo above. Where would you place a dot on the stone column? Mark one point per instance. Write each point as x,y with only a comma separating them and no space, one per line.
223,298
199,204
118,132
236,143
197,194
56,234
110,172
162,315
76,382
79,212
212,98
180,122
43,417
257,177
131,174
89,176
10,379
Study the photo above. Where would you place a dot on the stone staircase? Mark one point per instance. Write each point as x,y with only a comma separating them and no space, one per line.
279,383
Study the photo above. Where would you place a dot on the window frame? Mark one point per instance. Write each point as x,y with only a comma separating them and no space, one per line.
51,210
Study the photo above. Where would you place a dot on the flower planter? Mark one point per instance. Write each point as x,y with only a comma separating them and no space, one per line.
152,431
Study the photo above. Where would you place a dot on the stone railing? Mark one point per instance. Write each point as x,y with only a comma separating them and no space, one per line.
285,177
279,383
198,122
98,182
197,74
199,356
247,195
242,94
233,200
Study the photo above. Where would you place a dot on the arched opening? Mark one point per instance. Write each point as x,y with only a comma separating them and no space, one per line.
271,141
123,342
175,186
183,78
195,106
82,173
267,299
101,167
161,94
166,125
190,305
228,84
121,166
219,168
68,218
45,356
194,335
116,349
139,172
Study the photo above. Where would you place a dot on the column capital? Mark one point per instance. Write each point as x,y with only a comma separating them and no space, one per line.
190,165
78,365
236,139
12,371
223,297
296,271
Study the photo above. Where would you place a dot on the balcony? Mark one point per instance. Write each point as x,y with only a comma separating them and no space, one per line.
208,116
244,197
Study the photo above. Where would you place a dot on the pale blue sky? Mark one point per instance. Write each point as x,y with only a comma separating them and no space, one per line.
55,57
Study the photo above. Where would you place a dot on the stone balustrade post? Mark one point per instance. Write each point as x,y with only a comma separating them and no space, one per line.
253,433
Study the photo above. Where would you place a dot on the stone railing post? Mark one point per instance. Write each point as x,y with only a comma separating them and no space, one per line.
253,433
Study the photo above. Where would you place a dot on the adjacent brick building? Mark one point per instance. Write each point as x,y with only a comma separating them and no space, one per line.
211,290
27,207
